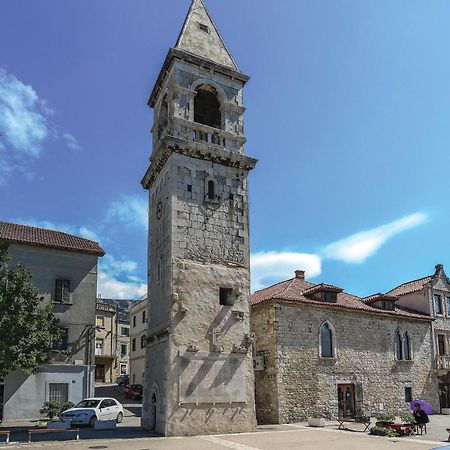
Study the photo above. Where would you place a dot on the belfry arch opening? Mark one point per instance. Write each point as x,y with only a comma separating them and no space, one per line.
207,107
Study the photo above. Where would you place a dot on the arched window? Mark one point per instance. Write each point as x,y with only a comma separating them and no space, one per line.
406,347
163,116
398,346
207,107
143,340
327,344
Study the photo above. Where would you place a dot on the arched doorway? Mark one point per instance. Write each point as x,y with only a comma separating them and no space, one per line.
153,411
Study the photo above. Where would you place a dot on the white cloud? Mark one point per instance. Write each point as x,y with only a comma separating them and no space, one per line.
270,267
118,278
23,122
360,246
82,231
25,126
71,141
129,210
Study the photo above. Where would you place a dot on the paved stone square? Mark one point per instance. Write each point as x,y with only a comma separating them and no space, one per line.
270,437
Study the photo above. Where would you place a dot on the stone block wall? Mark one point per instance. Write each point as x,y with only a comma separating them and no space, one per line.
307,384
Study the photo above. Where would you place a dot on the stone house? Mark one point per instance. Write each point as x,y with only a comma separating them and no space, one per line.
64,270
431,295
138,336
322,352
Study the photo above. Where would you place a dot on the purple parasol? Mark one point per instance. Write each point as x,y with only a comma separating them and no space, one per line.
423,404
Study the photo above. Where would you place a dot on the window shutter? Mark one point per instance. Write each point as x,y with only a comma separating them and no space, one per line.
58,291
66,291
358,399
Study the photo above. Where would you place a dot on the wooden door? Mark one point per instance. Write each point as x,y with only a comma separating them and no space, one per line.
100,373
346,400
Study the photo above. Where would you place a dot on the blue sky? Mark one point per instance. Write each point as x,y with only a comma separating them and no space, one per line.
348,111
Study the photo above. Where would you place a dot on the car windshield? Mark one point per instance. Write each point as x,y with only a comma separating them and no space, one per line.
87,404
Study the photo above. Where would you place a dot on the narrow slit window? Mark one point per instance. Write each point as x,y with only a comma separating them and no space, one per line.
203,27
211,190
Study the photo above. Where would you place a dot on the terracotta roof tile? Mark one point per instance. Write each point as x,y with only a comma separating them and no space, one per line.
24,234
410,286
322,287
293,291
379,296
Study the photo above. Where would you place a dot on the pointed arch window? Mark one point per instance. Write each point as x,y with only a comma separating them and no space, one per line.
403,350
327,341
398,346
406,347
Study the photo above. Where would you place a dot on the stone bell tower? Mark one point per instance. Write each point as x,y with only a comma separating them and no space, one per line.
199,372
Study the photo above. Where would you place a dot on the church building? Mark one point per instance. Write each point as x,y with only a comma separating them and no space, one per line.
199,368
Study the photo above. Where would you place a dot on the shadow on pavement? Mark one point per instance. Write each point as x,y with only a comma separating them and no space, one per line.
20,434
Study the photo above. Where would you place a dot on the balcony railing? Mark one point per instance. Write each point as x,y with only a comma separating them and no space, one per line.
198,132
443,362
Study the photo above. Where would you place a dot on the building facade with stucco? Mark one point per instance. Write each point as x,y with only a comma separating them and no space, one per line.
63,268
320,352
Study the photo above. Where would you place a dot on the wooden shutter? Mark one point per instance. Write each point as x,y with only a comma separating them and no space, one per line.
66,290
359,410
58,290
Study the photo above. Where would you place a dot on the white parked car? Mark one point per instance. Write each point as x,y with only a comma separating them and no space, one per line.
89,410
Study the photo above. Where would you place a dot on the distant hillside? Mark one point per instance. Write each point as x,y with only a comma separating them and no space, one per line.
123,305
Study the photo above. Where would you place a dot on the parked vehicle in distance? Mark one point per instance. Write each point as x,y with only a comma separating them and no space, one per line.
122,379
133,391
89,410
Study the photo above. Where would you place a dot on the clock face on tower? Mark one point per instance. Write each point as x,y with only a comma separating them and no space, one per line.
159,210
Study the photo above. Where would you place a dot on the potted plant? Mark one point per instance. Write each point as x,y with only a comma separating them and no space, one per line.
381,431
384,419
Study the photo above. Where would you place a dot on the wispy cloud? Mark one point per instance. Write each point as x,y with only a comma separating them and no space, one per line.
360,246
82,231
270,267
25,126
71,141
119,279
129,210
23,121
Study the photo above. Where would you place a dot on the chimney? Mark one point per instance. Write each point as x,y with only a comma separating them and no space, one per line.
300,274
439,267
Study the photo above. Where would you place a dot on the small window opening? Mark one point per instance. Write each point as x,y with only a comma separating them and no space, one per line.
329,296
226,296
231,197
211,190
189,187
408,394
203,27
207,107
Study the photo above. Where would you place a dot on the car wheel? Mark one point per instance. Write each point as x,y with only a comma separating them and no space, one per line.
119,417
92,421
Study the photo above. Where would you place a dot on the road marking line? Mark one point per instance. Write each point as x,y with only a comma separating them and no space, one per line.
227,444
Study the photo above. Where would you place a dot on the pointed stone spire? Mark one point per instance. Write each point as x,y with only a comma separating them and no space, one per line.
200,36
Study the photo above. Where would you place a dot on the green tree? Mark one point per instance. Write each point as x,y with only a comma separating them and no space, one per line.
28,329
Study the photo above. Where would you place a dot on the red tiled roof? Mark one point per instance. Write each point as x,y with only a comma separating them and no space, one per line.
322,287
24,234
293,290
378,297
410,286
